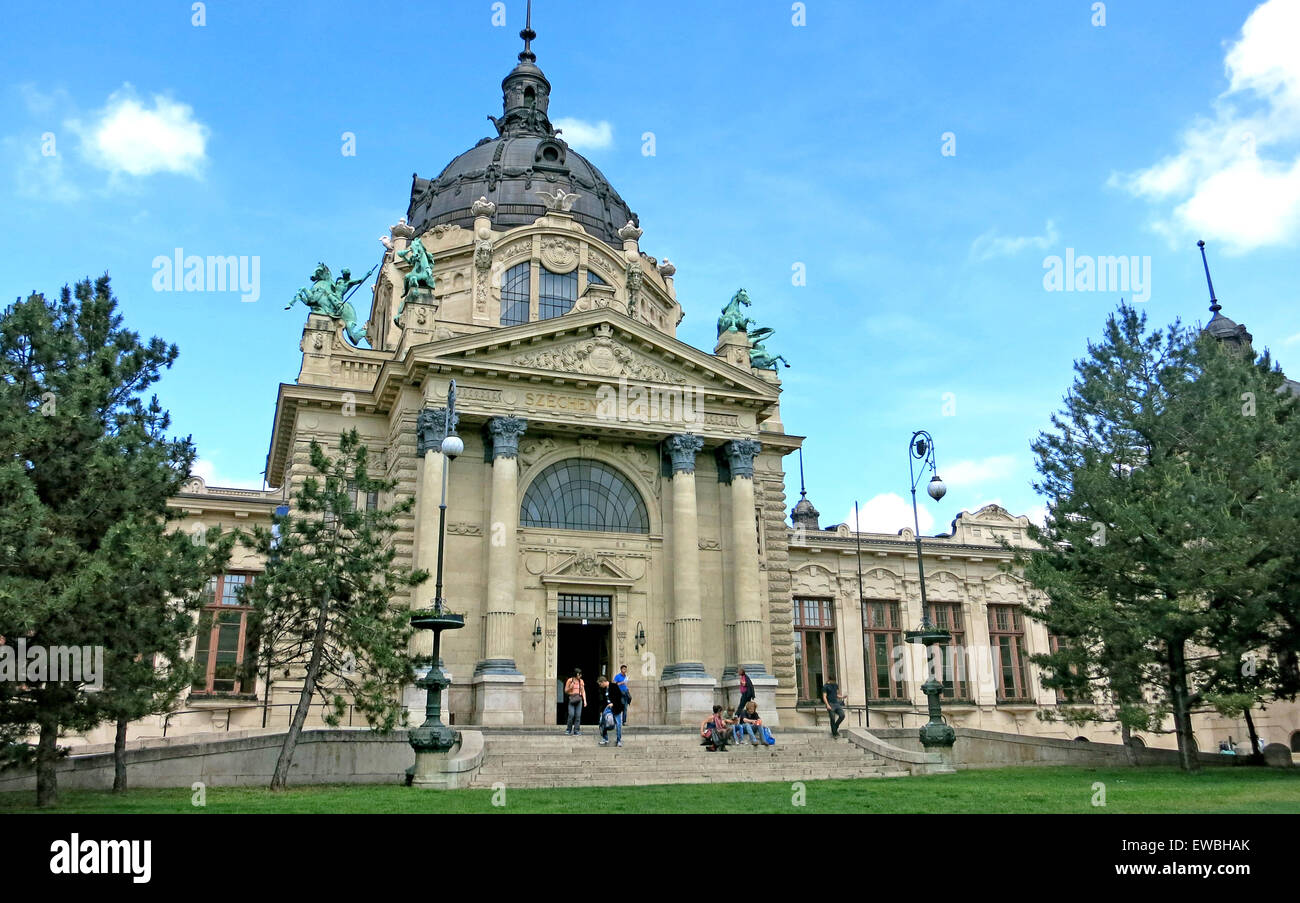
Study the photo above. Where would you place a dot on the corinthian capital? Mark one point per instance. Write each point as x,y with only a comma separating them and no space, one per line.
431,428
740,455
682,449
505,432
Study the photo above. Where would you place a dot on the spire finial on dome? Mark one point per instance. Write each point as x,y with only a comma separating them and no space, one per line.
1214,302
527,55
802,493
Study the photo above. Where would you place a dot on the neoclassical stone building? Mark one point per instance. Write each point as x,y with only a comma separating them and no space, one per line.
622,495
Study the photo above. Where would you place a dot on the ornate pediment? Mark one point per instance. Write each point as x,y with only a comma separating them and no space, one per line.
600,355
601,343
588,566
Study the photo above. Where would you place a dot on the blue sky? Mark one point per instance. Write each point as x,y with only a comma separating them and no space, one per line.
127,132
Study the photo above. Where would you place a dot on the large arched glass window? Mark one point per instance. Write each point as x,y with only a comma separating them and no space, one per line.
556,294
580,494
514,295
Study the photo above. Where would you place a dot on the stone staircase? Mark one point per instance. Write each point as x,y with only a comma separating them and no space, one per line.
532,757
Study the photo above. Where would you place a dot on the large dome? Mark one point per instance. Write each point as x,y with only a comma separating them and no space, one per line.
527,157
507,171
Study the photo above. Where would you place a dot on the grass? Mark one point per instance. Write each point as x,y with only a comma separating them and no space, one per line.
1007,790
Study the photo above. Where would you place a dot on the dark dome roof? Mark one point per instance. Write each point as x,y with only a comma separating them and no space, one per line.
525,158
507,171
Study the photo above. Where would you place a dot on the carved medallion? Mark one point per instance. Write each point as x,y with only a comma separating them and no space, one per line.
559,254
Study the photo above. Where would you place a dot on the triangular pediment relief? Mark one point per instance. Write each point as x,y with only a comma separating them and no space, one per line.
597,345
588,567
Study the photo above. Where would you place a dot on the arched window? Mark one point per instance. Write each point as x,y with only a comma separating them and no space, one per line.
556,294
580,494
514,295
594,279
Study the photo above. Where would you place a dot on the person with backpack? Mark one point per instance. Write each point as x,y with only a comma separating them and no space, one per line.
612,716
575,692
750,724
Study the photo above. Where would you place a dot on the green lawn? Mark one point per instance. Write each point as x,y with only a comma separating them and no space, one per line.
1009,790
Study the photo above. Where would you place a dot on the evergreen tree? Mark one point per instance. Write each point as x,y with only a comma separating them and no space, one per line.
1161,558
330,585
86,470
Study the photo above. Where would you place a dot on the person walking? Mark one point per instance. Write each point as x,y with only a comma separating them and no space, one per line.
746,691
834,704
575,691
613,707
621,680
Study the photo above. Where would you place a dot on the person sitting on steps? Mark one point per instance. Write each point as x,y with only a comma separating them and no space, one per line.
716,731
750,724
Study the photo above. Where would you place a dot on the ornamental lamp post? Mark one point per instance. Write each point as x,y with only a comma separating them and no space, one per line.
433,736
935,732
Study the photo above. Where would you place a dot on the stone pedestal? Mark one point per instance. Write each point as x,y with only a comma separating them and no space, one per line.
452,769
764,695
690,699
498,698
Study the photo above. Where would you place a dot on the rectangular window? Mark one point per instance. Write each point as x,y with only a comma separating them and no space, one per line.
1007,637
556,293
577,606
225,648
814,633
515,292
1054,644
881,638
947,616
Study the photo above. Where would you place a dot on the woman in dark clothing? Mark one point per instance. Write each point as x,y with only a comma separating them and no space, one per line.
746,691
614,699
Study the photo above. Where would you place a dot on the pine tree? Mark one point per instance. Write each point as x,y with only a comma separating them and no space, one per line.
1162,557
330,583
86,470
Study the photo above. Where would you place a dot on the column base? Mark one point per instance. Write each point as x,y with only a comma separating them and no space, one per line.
498,698
689,699
496,666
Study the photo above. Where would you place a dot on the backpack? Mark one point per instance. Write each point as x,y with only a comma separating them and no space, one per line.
607,719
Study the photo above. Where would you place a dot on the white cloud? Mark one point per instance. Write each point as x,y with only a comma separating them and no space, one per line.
129,136
991,245
1236,176
889,513
1292,339
972,475
582,135
208,472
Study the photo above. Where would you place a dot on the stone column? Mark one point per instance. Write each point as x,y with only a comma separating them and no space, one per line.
498,685
750,647
430,428
690,688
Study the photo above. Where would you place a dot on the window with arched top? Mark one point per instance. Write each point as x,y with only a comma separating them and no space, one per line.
581,494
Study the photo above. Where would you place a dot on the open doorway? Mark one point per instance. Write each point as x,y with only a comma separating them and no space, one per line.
583,642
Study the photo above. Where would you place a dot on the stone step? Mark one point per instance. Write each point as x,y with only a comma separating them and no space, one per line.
668,778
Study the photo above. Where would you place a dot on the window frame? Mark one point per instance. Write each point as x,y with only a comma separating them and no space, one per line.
824,632
1014,635
892,632
217,591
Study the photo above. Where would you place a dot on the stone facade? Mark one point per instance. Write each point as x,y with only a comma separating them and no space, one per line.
707,576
